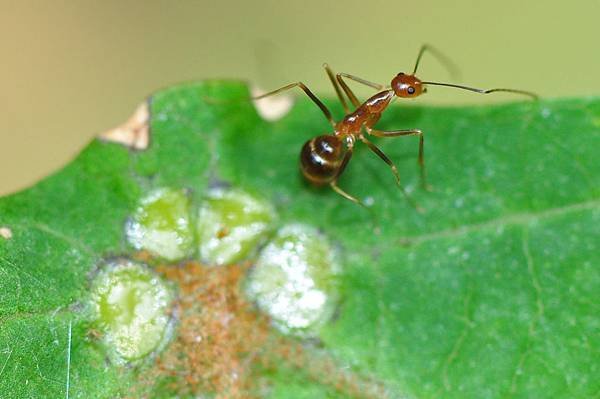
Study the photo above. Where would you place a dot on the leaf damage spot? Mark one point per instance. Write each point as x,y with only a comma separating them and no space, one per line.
6,233
135,132
274,107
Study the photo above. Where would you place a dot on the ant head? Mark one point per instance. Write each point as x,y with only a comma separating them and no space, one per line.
407,86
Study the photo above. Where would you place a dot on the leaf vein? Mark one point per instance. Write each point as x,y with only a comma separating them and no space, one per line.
539,310
62,236
515,219
468,324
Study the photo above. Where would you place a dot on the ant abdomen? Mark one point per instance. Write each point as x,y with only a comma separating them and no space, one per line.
321,158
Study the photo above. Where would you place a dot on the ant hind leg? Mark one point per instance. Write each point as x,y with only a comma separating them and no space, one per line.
341,169
344,194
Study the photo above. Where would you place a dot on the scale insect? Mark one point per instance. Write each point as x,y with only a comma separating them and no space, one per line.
324,158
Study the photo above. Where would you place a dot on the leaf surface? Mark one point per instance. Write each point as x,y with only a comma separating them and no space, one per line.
488,294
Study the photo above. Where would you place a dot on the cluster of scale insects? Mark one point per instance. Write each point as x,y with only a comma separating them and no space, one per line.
324,158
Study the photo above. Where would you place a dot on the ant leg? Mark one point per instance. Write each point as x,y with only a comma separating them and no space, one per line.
394,169
309,93
340,78
344,194
336,87
365,82
347,90
408,132
334,185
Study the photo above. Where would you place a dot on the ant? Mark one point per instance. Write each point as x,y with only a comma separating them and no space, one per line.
324,158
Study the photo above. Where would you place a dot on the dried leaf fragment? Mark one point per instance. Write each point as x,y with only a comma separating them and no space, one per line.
274,107
135,132
5,233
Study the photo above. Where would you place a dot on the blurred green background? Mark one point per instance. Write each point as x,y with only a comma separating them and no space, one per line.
71,70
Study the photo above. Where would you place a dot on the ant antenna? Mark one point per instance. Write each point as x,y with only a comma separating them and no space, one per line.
452,68
484,91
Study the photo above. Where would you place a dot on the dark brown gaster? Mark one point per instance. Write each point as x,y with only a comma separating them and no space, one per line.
324,158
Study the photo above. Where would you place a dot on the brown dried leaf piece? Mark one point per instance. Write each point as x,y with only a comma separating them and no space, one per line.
135,132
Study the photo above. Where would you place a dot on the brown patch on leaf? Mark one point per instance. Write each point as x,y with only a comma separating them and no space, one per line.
219,335
223,232
135,132
223,345
93,335
143,256
5,233
320,367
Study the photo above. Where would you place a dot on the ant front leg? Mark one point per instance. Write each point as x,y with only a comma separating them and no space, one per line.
349,92
394,169
365,82
340,78
336,86
309,93
407,132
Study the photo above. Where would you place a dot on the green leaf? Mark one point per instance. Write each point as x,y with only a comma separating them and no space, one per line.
488,294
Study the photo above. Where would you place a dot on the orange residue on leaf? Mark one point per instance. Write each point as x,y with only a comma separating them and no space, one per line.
321,367
143,256
93,335
223,232
219,334
222,343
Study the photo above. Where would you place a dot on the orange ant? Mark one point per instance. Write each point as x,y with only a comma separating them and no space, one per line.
324,158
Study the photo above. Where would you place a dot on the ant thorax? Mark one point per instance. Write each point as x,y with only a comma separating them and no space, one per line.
367,114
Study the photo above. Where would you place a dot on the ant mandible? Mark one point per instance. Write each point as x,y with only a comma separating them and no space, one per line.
324,158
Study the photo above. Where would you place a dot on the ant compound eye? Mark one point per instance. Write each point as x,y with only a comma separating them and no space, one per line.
411,90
